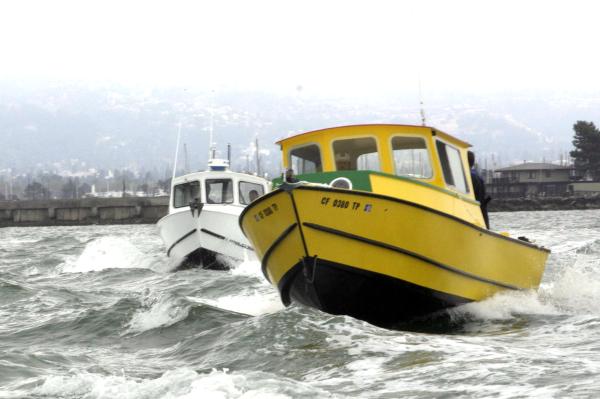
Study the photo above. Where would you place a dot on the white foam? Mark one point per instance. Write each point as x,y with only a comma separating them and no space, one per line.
107,253
32,271
577,289
175,384
157,313
505,305
252,305
250,268
572,245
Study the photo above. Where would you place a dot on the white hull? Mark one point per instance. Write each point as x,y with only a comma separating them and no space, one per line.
216,229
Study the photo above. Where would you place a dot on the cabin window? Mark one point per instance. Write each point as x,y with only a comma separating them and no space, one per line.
185,193
411,157
250,191
219,191
356,154
452,166
306,159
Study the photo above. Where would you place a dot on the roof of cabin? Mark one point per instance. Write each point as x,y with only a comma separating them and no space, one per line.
323,131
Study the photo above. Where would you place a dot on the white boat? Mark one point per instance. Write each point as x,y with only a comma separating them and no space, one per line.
202,225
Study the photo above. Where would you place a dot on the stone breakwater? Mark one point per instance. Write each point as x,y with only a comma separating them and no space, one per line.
140,210
543,204
85,211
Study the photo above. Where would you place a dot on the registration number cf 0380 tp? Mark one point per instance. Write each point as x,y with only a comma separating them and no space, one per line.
344,204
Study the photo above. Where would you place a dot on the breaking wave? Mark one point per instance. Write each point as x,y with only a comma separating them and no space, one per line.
176,384
158,312
107,253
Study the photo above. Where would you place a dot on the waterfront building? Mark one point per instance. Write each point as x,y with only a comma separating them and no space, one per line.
531,179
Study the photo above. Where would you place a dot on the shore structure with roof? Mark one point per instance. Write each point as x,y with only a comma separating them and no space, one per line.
531,179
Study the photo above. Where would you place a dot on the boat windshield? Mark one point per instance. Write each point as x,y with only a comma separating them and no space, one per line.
306,159
219,191
452,167
185,193
356,154
250,191
411,157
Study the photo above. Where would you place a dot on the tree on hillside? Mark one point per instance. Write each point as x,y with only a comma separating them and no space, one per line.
84,189
586,154
69,190
36,191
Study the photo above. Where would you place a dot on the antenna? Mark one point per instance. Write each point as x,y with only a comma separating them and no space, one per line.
421,104
211,146
257,158
229,153
176,150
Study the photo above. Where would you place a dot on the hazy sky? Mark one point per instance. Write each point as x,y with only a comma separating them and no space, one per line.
323,46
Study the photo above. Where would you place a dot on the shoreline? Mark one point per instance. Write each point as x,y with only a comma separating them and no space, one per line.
543,204
83,212
148,210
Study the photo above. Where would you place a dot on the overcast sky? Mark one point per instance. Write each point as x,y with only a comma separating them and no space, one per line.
330,47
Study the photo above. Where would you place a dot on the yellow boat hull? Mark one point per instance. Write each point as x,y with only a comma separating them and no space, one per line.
379,258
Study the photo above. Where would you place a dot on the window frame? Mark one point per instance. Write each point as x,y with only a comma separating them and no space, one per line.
206,191
427,148
186,183
289,156
240,197
462,167
370,136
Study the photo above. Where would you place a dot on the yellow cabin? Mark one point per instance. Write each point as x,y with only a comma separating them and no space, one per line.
416,163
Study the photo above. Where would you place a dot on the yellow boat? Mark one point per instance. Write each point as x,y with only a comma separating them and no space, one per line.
383,226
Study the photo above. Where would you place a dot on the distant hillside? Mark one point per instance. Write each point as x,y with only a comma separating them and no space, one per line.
118,127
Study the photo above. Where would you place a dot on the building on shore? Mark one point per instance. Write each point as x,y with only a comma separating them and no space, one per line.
584,188
531,179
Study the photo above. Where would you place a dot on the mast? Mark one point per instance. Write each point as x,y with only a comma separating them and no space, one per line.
421,104
176,151
257,158
211,146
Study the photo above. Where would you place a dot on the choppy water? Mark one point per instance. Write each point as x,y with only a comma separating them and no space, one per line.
94,312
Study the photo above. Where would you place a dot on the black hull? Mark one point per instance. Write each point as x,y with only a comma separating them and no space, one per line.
375,298
205,259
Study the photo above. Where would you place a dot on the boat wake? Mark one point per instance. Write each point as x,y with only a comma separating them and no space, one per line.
572,290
